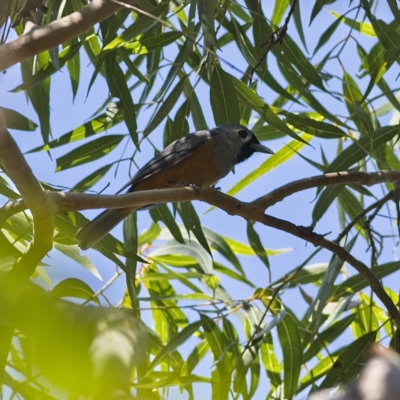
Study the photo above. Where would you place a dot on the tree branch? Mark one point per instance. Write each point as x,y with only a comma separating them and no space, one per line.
43,207
46,37
333,178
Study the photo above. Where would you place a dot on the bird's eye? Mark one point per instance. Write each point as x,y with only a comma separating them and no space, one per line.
242,134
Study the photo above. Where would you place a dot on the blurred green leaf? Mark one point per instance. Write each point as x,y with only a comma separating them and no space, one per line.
74,253
206,17
190,248
362,27
76,288
280,7
173,344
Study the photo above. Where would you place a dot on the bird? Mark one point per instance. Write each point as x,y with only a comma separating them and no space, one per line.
198,159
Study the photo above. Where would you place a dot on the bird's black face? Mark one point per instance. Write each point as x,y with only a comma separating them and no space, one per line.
247,151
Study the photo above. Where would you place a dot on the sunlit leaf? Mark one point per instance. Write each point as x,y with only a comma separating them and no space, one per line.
88,152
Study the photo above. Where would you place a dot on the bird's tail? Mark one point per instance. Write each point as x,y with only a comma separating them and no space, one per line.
94,231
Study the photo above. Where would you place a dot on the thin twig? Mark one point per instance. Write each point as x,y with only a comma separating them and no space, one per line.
377,206
275,38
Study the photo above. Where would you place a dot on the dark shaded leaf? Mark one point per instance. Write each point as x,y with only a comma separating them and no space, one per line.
349,362
15,120
76,288
224,101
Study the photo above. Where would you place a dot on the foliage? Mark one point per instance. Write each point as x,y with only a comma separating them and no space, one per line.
154,59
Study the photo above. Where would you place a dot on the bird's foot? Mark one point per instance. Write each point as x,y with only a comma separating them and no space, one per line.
216,187
192,185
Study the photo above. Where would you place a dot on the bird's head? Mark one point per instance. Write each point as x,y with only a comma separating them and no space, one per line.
247,139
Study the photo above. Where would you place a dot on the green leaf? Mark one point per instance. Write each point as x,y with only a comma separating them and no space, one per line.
327,34
142,24
90,180
190,248
150,235
224,369
40,96
289,338
357,282
279,10
72,251
197,112
232,274
353,97
321,369
244,44
362,148
166,106
180,126
96,125
250,98
224,101
206,17
74,69
220,244
133,69
119,88
349,362
15,120
325,199
318,7
256,245
175,342
131,245
197,354
76,288
163,213
149,44
362,27
322,298
325,338
297,58
47,68
88,152
351,206
211,281
313,127
197,229
270,361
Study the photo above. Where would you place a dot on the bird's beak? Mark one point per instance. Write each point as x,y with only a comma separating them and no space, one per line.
259,148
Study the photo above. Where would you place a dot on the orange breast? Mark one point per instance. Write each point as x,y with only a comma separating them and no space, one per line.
200,168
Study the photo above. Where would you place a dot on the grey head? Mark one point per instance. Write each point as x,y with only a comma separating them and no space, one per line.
240,142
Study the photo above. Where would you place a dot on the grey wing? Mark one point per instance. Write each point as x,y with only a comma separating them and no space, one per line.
171,155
